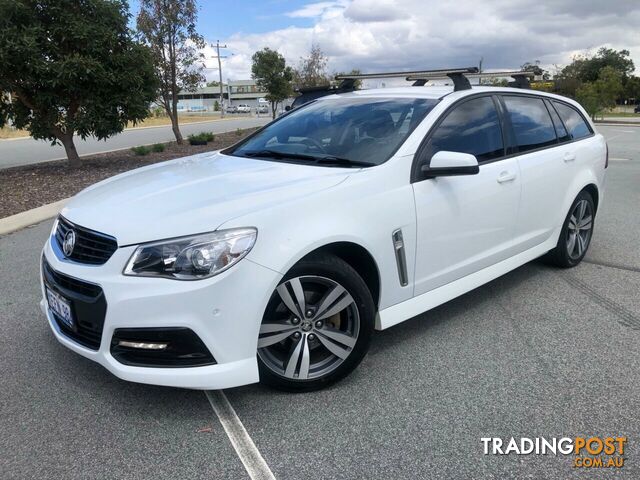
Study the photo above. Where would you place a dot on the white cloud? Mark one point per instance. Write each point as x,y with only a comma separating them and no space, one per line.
318,9
378,35
375,11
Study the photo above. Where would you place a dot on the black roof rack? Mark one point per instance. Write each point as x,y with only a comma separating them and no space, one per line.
521,78
459,77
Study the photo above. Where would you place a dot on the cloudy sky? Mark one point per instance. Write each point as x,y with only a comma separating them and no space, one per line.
379,35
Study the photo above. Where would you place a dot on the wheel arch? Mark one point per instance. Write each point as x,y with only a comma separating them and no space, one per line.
359,258
592,189
585,183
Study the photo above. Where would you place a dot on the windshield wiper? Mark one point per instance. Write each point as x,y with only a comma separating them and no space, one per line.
330,159
323,160
277,154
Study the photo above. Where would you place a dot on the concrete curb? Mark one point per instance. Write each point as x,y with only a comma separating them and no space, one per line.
30,217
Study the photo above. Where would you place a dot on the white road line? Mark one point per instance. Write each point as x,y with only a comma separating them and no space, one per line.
250,456
619,159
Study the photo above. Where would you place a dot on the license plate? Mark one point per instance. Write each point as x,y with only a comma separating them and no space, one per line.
60,306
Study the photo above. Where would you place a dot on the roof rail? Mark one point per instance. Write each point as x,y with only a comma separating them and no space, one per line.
457,75
521,78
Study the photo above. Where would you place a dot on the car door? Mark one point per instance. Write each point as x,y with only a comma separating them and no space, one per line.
465,223
545,166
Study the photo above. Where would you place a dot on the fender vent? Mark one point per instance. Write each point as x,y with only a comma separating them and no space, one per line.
401,258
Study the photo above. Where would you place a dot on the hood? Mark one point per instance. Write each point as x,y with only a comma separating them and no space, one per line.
192,195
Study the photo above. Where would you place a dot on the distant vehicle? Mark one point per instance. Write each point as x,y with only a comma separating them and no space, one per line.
262,109
231,109
637,109
243,108
196,108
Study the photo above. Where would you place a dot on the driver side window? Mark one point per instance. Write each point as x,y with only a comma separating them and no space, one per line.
471,127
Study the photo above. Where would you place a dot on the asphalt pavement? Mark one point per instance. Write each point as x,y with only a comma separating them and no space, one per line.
26,151
537,352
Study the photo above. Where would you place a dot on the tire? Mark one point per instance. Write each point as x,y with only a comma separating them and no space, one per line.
314,348
569,253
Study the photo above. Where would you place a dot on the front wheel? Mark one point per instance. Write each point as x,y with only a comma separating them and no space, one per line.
576,233
317,326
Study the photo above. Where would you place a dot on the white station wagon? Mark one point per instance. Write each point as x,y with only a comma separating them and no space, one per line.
275,260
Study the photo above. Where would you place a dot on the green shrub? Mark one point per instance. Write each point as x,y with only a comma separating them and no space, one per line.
158,112
141,150
158,147
202,137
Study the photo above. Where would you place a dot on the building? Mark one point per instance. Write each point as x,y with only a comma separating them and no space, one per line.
235,92
245,92
201,100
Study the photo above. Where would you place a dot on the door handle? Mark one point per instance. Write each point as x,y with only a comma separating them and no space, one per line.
569,157
506,177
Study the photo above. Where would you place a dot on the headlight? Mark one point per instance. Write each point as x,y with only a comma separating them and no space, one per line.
192,258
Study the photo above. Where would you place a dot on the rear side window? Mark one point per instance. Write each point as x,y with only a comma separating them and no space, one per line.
531,122
472,127
576,125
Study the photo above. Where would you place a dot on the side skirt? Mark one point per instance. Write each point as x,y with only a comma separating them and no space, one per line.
400,312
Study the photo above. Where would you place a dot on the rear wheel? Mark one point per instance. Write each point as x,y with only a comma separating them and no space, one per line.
317,326
576,233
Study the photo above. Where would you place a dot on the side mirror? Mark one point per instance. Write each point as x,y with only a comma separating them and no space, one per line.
287,108
448,164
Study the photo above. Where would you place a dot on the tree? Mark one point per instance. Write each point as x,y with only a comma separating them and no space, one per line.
71,67
272,75
213,83
619,61
601,94
354,71
536,69
169,28
494,82
312,70
632,89
586,68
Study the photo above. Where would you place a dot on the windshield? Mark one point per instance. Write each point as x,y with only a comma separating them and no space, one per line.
339,131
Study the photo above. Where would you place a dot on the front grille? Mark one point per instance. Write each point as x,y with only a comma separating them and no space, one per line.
91,247
88,306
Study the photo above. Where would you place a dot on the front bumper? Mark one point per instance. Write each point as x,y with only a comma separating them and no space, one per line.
224,311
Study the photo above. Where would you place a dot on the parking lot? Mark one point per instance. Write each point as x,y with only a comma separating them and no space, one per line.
538,352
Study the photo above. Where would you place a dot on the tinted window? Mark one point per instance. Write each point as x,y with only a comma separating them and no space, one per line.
362,129
561,132
576,125
531,122
472,127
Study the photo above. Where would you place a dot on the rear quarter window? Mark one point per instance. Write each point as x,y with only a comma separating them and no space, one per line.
575,123
561,131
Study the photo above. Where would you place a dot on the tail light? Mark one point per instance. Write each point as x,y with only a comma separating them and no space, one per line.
606,161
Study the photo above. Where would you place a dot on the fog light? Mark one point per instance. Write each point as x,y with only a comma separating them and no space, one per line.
160,347
143,345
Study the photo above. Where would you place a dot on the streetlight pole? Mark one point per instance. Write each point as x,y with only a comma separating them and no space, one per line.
218,47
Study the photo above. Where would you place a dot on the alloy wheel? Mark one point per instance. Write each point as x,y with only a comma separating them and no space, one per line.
579,229
310,327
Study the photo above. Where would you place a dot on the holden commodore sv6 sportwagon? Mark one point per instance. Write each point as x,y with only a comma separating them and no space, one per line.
274,260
